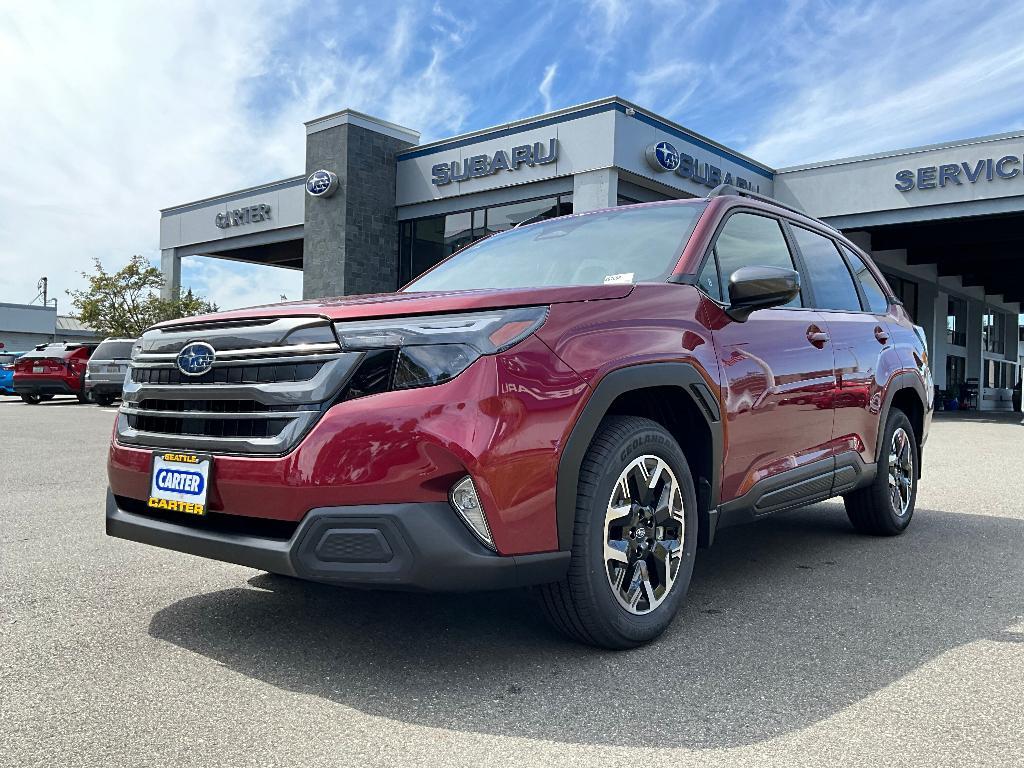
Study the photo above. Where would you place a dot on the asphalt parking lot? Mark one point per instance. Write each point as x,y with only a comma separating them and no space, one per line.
801,642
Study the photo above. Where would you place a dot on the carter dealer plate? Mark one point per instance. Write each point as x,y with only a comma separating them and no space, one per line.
179,482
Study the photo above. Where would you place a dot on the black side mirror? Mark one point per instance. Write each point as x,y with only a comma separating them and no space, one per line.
760,287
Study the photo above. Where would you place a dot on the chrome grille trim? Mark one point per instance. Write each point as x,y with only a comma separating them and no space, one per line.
216,415
233,356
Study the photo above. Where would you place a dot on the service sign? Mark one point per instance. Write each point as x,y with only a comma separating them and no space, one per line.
179,482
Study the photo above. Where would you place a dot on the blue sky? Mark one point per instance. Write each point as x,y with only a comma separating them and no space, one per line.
111,111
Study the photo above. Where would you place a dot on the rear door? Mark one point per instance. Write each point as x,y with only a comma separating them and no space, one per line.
854,307
776,368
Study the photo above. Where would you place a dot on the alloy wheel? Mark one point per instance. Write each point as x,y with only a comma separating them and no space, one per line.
901,471
643,532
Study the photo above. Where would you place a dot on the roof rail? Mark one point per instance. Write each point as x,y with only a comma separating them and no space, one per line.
732,189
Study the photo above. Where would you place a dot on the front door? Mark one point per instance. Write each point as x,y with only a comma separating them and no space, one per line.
776,368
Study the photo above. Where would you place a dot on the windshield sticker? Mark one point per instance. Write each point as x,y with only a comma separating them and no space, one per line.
625,277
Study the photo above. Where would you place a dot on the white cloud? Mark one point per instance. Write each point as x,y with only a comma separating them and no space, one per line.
111,111
874,82
544,89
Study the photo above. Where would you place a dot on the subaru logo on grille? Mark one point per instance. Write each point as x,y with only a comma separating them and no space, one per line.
196,358
662,156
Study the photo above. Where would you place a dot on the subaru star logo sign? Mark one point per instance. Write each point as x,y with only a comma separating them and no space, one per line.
321,183
662,156
196,358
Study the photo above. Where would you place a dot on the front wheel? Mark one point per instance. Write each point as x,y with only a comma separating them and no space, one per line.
31,399
634,538
885,507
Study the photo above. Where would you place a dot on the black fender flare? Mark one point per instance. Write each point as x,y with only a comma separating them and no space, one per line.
897,383
691,383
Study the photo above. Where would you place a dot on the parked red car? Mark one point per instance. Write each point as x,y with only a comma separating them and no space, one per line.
56,369
576,404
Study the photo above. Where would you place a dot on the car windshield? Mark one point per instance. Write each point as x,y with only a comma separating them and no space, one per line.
621,245
114,350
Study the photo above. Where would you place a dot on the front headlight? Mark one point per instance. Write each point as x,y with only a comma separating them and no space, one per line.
431,349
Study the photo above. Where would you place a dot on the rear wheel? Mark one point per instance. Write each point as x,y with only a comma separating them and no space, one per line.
634,538
46,397
31,399
885,507
103,400
82,397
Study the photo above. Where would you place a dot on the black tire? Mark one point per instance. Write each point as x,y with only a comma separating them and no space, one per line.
44,398
31,399
873,510
103,400
82,398
585,605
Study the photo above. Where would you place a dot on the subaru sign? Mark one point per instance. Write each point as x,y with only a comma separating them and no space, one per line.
663,157
322,183
485,165
196,358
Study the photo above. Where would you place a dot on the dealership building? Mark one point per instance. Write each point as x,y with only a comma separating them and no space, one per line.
374,208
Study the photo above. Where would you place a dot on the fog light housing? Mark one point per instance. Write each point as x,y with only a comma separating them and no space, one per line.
466,502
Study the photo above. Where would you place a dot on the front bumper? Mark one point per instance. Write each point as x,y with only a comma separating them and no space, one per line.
421,546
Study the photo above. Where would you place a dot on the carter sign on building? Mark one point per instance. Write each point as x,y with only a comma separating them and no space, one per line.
248,215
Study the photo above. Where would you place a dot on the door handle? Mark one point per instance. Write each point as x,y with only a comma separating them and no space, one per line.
881,334
816,336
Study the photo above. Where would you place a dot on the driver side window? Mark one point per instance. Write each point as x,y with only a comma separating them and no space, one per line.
748,240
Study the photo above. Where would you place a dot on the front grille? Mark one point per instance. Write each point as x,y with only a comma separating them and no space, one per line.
207,427
270,382
230,374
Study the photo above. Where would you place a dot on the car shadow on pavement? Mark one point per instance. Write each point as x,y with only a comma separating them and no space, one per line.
788,621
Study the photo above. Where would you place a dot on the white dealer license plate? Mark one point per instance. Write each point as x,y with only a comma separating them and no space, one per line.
180,481
38,369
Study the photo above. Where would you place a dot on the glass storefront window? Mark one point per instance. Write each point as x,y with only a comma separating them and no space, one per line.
504,217
999,375
956,322
425,242
993,328
955,367
906,291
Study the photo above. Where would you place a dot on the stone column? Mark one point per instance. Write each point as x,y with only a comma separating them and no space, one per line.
594,190
170,265
350,239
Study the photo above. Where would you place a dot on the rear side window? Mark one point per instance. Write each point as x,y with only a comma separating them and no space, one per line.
750,240
832,282
877,301
114,350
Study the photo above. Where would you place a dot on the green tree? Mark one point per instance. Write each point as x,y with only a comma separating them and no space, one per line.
127,302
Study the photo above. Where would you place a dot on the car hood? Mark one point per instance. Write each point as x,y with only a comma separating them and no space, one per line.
415,303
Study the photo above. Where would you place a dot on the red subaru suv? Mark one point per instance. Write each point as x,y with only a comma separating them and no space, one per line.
56,369
577,405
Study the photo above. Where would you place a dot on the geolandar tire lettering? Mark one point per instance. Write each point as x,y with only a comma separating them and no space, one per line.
634,538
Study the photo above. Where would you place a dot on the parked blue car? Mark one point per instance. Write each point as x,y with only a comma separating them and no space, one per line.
7,371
